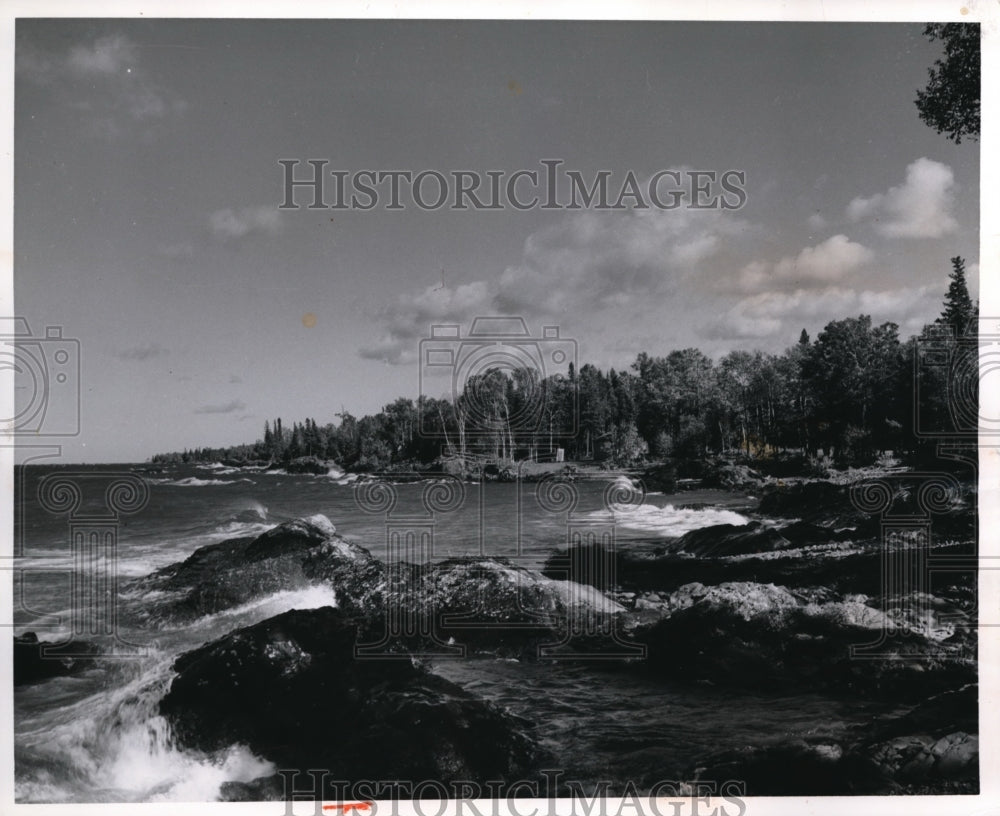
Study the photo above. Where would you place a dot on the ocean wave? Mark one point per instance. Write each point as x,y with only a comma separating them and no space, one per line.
194,481
670,521
313,596
114,745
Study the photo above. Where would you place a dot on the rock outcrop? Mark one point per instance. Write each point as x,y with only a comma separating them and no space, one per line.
37,660
762,636
292,690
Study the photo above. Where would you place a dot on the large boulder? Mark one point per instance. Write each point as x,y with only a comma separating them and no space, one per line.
292,689
495,605
233,572
478,605
37,660
826,504
762,636
731,539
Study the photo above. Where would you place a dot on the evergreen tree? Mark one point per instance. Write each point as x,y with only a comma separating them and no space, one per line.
958,309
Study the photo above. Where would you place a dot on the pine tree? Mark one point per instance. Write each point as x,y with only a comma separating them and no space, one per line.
958,309
804,338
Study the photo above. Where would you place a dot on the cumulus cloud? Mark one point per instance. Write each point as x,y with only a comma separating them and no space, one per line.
228,224
825,263
589,263
816,222
108,55
920,207
103,80
769,313
148,351
225,408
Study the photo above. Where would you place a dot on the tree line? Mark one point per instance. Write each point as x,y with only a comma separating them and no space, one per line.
852,392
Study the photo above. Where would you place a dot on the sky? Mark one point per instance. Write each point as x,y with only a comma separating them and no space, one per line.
148,191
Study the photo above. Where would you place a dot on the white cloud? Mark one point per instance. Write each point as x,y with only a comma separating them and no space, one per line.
228,223
825,263
611,266
768,313
918,208
816,222
108,55
103,81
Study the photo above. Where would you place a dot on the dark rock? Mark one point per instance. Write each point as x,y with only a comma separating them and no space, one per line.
495,605
37,660
950,711
914,764
931,749
805,534
661,477
762,636
292,690
819,502
732,476
479,605
731,539
485,604
220,576
793,768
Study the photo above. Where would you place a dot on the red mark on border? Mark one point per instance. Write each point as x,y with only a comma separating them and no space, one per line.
347,807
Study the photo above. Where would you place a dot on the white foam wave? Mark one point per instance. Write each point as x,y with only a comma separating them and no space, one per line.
120,748
672,522
194,481
115,746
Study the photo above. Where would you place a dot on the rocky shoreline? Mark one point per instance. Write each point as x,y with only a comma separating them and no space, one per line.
784,602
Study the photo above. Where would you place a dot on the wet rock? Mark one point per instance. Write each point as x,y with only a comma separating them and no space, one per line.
661,477
794,768
484,604
921,751
731,539
37,660
822,503
732,476
762,636
292,690
842,566
230,573
952,710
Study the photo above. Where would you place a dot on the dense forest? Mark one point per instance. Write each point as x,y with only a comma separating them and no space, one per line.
854,391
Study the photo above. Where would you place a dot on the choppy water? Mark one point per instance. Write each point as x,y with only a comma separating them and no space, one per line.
98,737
